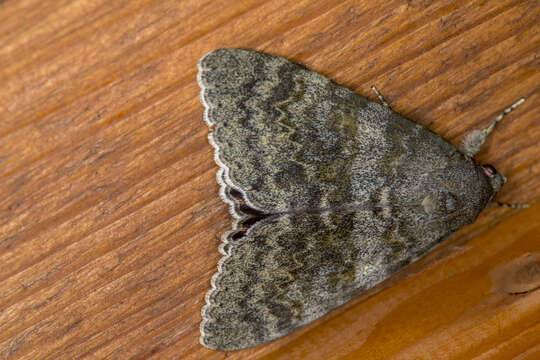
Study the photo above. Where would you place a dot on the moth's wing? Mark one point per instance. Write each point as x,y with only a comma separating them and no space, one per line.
285,136
291,269
288,139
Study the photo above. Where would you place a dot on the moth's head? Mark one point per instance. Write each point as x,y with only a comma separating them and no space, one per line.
495,178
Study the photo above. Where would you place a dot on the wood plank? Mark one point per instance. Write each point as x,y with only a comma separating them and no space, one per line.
109,212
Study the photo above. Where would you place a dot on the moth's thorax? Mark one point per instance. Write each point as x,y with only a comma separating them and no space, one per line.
455,199
416,172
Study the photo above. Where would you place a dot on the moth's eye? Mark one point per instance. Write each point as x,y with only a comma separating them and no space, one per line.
489,170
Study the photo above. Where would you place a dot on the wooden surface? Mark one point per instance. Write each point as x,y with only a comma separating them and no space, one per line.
109,210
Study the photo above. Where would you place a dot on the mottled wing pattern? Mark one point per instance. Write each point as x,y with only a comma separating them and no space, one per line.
331,193
264,102
289,270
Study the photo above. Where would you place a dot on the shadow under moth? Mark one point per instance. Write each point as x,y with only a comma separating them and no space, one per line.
331,194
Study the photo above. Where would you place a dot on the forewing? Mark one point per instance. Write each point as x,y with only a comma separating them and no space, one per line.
285,136
291,269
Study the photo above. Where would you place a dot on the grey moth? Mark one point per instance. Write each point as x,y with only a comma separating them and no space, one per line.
330,193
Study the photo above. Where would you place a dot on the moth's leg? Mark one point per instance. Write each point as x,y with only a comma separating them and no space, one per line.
513,206
381,98
476,138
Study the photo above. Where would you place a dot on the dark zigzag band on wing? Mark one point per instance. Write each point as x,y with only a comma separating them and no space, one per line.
270,119
240,103
230,195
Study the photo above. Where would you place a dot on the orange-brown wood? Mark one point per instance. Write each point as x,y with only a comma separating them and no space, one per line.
109,210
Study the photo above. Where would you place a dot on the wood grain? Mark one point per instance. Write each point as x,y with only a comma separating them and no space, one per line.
109,213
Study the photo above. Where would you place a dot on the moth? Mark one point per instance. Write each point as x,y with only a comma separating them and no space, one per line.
330,193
